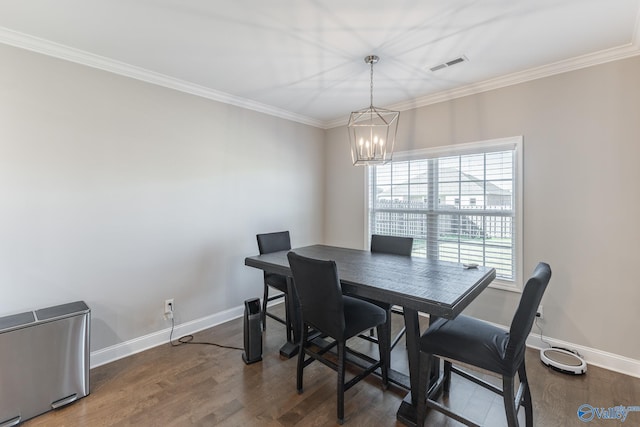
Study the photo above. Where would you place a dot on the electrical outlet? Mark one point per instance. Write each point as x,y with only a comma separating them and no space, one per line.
168,308
539,313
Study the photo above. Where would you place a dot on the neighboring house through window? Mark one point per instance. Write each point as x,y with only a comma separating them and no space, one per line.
460,203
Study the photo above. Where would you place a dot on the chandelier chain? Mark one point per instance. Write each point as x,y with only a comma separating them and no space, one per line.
371,86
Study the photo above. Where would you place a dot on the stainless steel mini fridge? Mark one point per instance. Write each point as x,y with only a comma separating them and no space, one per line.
44,360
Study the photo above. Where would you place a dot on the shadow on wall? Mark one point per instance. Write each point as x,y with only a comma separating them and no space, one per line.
102,335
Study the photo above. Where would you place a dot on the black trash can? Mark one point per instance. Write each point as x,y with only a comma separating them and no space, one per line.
252,332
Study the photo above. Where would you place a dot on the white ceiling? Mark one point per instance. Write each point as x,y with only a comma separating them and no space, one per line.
303,59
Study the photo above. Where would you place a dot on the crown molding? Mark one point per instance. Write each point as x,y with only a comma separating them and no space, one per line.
35,44
572,64
536,73
56,50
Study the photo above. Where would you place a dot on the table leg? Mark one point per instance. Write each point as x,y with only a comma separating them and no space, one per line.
407,411
290,348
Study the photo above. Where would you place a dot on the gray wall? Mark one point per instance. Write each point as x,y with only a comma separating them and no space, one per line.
123,194
581,200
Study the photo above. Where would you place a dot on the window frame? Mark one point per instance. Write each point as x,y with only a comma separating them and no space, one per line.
515,143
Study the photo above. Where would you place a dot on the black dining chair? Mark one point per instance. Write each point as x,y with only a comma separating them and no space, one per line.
483,345
394,245
268,243
324,308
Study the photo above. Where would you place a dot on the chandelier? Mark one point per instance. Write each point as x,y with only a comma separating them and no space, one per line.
372,131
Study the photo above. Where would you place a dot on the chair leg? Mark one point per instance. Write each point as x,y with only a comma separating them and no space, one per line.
446,387
423,385
263,315
509,400
526,396
300,368
384,348
287,318
341,368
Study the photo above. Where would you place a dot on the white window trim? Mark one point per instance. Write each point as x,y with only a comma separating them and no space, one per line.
509,143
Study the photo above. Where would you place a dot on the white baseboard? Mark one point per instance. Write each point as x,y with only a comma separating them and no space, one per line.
592,356
136,345
595,357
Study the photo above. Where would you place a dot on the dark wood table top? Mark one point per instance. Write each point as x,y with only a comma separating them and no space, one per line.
440,288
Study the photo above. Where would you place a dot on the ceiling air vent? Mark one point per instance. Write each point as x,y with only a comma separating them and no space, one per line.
450,63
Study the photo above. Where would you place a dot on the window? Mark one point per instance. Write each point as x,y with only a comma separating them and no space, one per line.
460,203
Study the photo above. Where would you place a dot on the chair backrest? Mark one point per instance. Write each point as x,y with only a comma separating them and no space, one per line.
320,293
391,244
525,314
273,242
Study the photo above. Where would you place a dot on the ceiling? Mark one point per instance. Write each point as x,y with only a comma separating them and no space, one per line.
303,59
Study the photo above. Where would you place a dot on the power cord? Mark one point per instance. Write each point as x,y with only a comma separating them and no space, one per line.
188,339
552,346
540,328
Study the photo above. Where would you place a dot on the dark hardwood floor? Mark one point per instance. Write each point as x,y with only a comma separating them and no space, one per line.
206,386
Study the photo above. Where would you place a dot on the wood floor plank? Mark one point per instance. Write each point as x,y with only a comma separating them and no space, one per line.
202,385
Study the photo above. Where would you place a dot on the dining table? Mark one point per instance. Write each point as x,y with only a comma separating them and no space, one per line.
417,284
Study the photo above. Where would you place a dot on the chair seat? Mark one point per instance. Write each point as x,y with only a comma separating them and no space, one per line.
276,281
484,345
361,315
